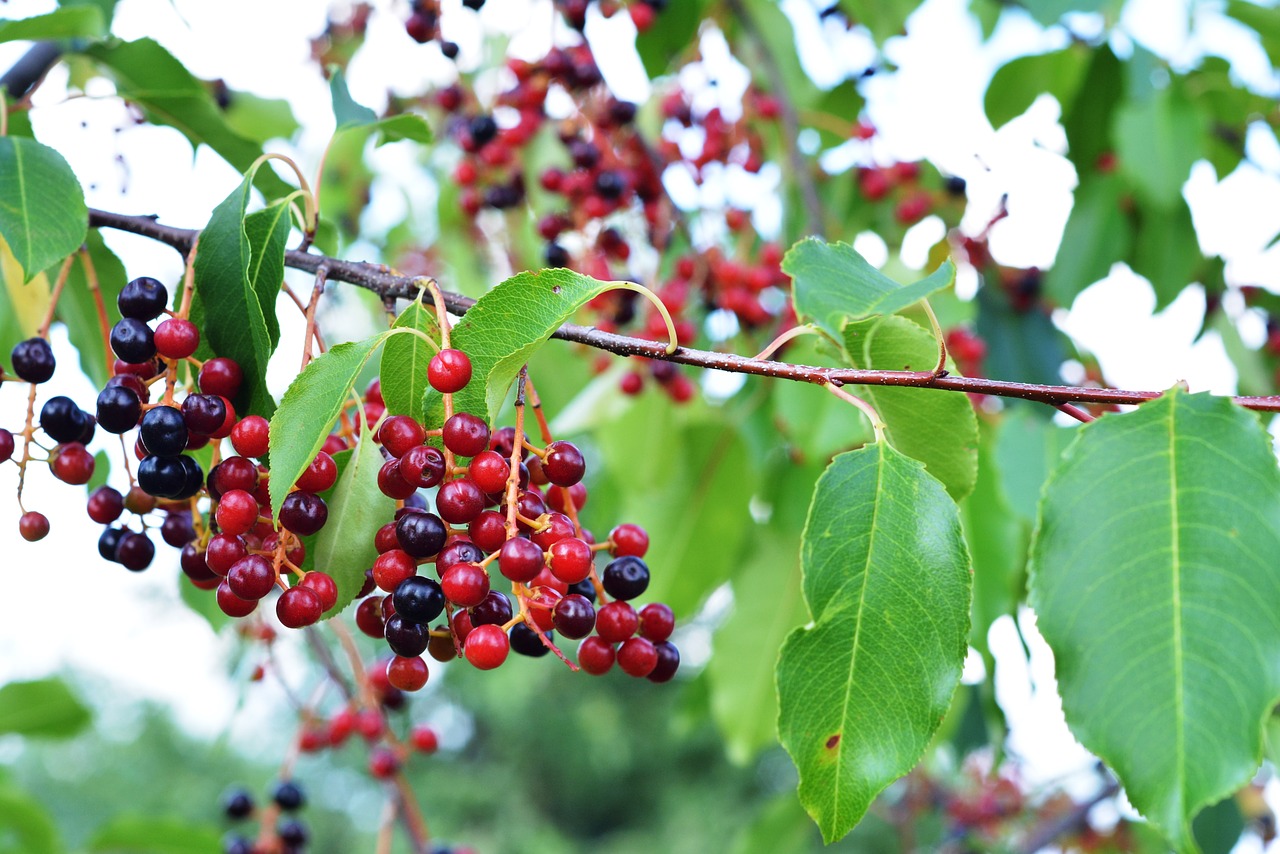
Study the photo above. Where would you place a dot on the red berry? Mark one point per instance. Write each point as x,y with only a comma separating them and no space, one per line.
449,371
369,618
252,578
487,647
231,604
465,584
251,436
320,475
520,560
105,505
595,655
617,621
465,434
637,657
6,445
399,433
72,463
298,607
489,471
656,621
393,567
177,338
392,484
571,560
488,530
459,501
33,526
237,512
422,466
424,739
324,586
407,674
383,763
220,376
628,539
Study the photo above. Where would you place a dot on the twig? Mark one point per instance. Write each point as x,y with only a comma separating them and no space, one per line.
1043,835
380,280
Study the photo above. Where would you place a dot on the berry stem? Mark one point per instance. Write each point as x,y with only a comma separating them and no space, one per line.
426,283
58,285
513,479
941,367
28,437
322,273
1075,412
790,335
536,403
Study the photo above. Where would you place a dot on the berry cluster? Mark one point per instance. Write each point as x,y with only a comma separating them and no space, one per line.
281,830
499,500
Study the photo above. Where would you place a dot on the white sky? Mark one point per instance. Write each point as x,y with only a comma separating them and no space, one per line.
129,629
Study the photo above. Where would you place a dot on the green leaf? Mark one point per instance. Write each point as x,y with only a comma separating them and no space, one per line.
767,607
663,44
1022,346
886,577
1048,12
44,707
135,834
22,307
350,114
506,327
101,471
776,37
232,277
78,309
259,119
148,75
1027,448
1151,570
1097,235
1017,84
42,211
344,547
1088,122
268,231
1166,250
1217,828
308,410
403,372
66,23
939,428
883,19
998,542
833,285
1157,141
25,825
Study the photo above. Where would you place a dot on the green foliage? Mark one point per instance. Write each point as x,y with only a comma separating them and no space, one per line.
65,23
886,578
43,707
1017,83
238,268
125,834
25,826
344,547
43,216
348,114
403,370
309,409
834,285
78,309
1151,556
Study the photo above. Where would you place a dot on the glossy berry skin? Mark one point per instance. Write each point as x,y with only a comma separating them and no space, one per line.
62,420
7,445
596,656
237,512
407,674
220,376
107,543
449,371
144,299
105,505
407,638
303,513
465,434
564,464
525,641
571,560
223,551
391,568
369,617
488,530
657,622
321,474
487,647
392,484
489,471
628,539
33,360
119,409
574,616
458,550
324,586
250,436
132,340
135,551
668,662
204,414
164,431
459,501
626,578
176,338
383,764
418,599
299,606
231,604
33,526
71,463
422,466
637,657
424,739
494,610
520,560
420,534
233,473
252,577
288,795
616,621
399,433
465,584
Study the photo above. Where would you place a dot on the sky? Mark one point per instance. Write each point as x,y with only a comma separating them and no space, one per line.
107,622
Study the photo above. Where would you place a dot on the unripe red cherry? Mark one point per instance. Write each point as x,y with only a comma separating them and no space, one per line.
33,526
637,657
595,656
424,739
407,674
177,338
449,371
251,436
298,607
487,647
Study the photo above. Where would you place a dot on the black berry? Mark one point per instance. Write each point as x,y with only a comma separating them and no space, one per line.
418,599
132,340
142,299
164,431
33,360
626,578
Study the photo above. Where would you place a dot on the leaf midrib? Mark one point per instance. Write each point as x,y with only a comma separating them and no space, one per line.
1179,716
857,629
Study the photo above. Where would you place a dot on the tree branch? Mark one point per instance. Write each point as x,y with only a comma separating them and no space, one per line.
30,68
381,280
